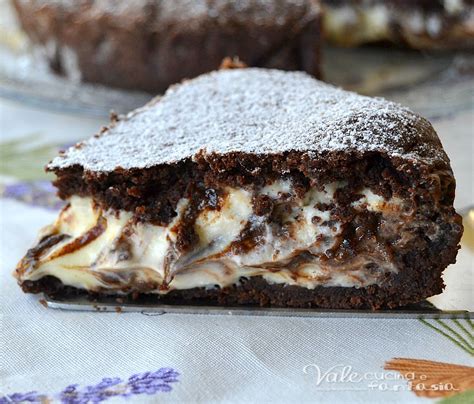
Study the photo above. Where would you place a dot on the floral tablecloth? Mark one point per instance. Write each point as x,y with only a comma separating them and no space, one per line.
50,356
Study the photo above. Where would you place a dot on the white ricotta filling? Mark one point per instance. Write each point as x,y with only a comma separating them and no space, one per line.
129,256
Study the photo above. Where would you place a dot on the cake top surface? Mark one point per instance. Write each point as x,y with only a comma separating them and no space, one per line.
256,111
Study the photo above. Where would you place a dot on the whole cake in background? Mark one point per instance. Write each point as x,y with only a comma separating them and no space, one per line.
256,187
420,24
151,44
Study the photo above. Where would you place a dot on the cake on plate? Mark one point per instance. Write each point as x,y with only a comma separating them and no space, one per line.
253,187
150,44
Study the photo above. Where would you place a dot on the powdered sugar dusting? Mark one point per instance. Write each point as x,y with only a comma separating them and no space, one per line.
255,111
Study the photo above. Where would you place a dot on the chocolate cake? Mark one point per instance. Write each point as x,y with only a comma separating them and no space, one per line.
420,24
257,187
150,44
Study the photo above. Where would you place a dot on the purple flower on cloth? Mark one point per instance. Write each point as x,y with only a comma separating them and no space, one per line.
35,193
30,397
91,394
142,383
152,382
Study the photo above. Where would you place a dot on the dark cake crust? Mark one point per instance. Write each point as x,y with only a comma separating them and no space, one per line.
149,45
257,292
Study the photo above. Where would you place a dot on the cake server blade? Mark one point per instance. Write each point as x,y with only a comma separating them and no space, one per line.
421,310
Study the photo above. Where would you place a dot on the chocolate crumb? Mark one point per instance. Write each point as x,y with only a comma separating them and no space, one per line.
43,302
232,63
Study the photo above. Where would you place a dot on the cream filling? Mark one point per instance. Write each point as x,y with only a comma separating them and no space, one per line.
129,256
368,22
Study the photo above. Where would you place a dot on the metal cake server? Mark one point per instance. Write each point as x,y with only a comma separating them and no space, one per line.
420,310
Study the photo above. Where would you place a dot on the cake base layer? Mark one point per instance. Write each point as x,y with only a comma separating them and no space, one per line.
399,290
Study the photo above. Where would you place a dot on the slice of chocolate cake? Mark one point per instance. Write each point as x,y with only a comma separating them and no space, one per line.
149,44
253,186
420,24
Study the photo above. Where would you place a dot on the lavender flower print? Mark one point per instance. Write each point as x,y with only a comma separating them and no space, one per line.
91,394
35,193
152,382
159,381
30,397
